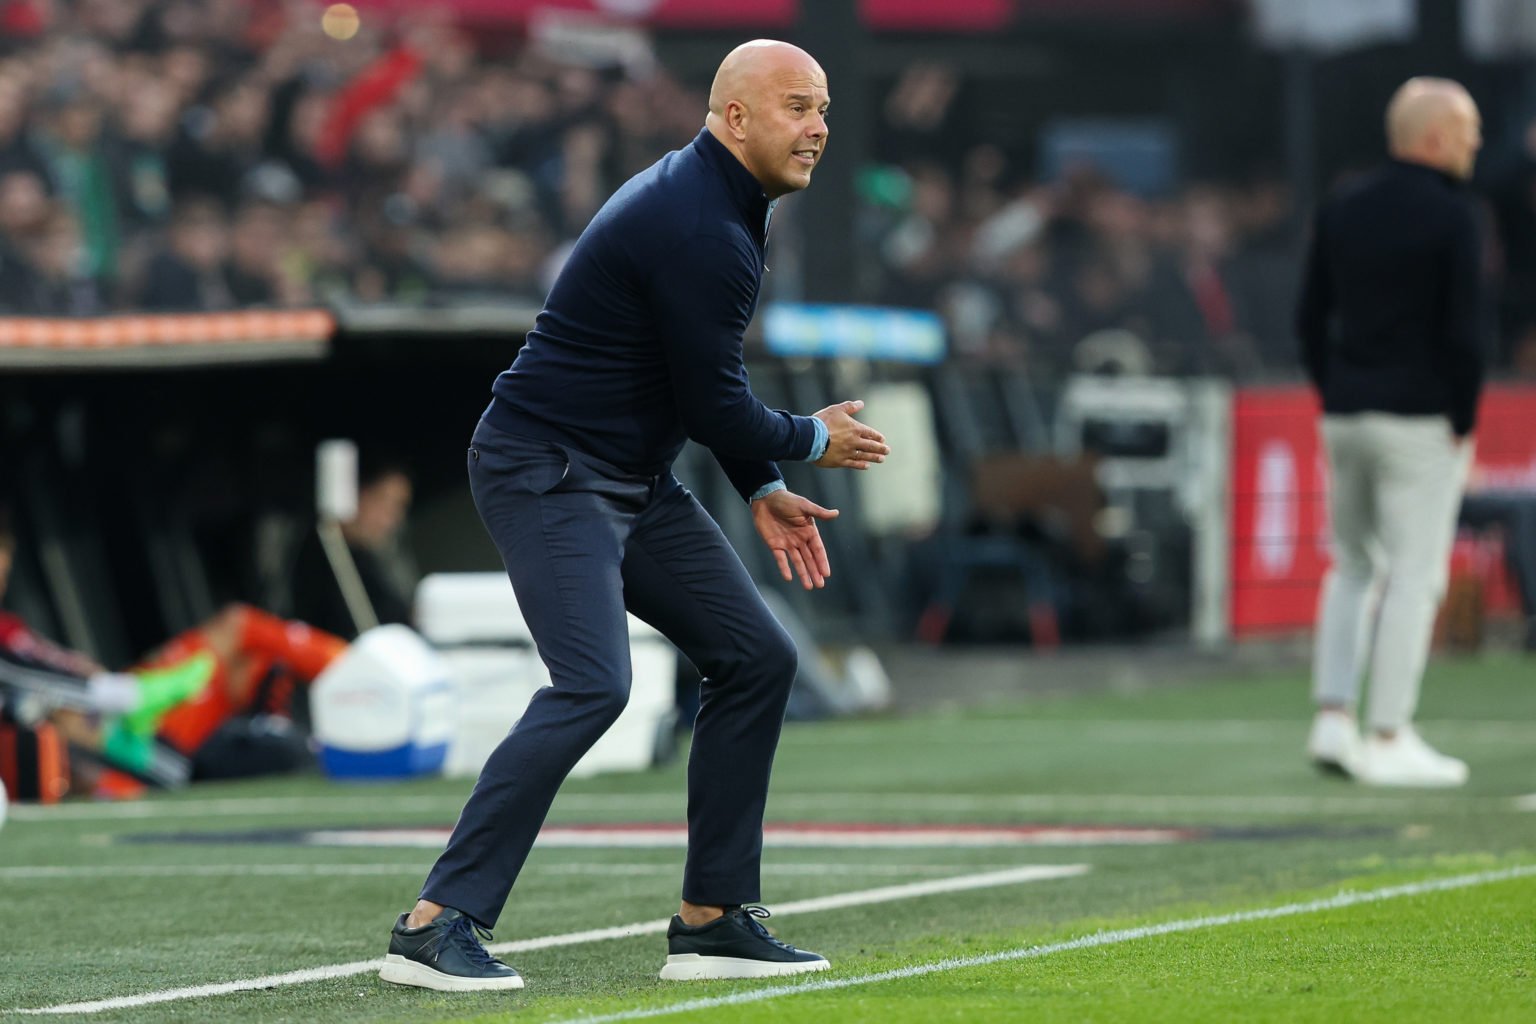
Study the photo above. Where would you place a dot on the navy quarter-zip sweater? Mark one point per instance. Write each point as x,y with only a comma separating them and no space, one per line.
1393,315
639,344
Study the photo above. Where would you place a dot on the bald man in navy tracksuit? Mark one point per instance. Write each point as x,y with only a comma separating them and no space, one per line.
638,348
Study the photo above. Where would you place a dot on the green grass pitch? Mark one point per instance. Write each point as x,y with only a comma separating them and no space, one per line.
93,914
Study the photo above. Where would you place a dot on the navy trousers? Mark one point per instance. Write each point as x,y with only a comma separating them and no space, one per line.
583,541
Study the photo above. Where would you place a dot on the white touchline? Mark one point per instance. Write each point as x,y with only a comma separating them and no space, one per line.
1343,899
884,894
46,872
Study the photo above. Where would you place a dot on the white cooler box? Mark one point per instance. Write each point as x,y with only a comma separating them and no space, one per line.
384,709
473,621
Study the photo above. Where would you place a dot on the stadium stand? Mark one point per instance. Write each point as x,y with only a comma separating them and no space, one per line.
194,184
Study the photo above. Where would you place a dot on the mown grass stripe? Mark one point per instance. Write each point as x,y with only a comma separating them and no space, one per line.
789,802
837,901
1339,901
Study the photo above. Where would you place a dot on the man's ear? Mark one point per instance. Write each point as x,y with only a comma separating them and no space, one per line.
736,118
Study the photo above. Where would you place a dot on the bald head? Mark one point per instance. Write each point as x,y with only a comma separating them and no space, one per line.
750,67
1434,122
768,106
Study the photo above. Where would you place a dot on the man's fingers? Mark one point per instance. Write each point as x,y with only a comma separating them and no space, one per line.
807,578
870,433
783,561
815,511
819,553
852,407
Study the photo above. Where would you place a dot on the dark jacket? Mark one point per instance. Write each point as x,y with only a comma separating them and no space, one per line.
1392,315
639,345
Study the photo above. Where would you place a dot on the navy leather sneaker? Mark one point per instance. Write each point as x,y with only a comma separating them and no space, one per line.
735,945
446,955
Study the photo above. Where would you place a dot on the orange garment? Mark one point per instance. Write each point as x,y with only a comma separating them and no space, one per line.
265,641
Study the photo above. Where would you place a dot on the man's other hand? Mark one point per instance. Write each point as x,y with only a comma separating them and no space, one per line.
787,524
850,444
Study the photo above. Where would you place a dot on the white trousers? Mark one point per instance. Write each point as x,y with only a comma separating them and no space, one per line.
1396,487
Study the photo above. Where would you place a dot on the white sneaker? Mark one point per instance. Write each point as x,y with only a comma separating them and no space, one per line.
1334,745
1406,760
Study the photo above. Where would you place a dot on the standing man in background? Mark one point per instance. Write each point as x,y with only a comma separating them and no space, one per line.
638,348
1392,320
372,536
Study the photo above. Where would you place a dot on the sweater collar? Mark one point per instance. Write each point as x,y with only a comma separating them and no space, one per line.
1423,169
745,190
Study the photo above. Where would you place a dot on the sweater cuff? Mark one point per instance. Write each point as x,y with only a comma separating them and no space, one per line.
820,441
767,489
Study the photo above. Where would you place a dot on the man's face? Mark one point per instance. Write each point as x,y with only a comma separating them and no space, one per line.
787,129
381,509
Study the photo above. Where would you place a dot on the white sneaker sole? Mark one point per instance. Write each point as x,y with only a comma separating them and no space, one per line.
1413,781
401,971
697,967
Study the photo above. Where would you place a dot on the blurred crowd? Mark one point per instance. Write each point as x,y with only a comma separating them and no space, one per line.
210,154
1079,274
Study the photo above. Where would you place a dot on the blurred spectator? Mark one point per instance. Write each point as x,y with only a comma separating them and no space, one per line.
63,284
24,211
454,144
255,255
17,150
372,536
188,274
393,266
82,168
319,261
148,125
220,142
1208,246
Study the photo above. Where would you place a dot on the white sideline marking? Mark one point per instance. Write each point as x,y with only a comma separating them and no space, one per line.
838,901
790,803
1343,899
230,806
49,871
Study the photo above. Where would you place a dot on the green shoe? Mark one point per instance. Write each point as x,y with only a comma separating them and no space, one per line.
124,748
142,757
161,689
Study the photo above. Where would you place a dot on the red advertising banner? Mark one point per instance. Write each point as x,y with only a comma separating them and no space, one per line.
1279,480
1279,512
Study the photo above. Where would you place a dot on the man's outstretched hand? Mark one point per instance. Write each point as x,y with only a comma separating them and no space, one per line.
787,524
850,444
